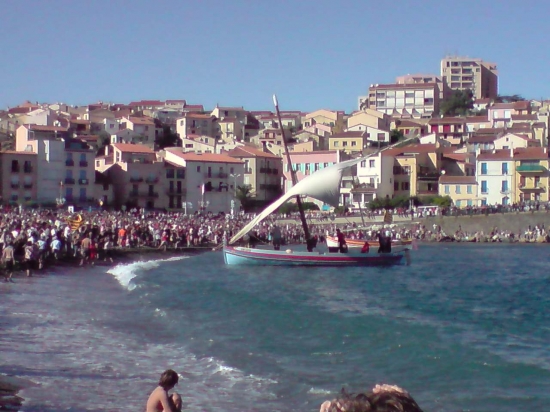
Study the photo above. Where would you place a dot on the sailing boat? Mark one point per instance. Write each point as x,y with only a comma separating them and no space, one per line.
323,185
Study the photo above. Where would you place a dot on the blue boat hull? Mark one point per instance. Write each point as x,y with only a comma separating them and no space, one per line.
260,257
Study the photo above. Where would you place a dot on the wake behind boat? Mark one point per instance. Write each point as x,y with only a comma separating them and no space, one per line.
323,185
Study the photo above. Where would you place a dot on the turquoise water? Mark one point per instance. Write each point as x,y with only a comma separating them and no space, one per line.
464,328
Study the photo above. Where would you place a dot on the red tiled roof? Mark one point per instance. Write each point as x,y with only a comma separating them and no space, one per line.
522,105
461,180
133,148
198,116
500,154
194,106
524,117
502,106
40,128
142,120
350,134
14,152
459,157
146,103
490,138
477,119
490,130
447,120
531,153
205,157
247,151
413,148
408,123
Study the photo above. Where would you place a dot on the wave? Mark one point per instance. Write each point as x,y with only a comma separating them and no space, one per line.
125,273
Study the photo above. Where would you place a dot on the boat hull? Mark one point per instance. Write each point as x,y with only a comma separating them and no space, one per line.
332,242
261,257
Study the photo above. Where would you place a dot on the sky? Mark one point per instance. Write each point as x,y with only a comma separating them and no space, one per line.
312,54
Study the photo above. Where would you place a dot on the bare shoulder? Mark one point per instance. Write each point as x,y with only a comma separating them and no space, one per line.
157,397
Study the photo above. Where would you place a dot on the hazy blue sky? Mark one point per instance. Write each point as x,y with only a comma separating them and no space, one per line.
313,54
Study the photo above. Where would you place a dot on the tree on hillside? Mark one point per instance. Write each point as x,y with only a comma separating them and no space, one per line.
509,98
460,103
396,136
168,138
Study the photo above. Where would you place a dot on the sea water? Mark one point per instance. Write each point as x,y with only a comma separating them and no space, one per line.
465,327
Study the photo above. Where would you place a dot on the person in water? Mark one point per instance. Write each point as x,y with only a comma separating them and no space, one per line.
159,400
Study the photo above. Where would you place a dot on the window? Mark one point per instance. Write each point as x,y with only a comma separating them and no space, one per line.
169,173
82,193
457,189
371,163
336,144
484,186
447,189
483,168
469,203
458,203
198,169
504,168
69,173
469,189
344,143
363,163
405,186
484,202
82,174
396,186
504,186
232,170
354,143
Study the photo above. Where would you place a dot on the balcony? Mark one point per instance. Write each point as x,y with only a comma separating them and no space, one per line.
83,163
69,181
134,194
526,186
27,169
152,179
27,185
136,179
15,185
247,171
69,162
15,169
83,181
176,192
531,168
432,175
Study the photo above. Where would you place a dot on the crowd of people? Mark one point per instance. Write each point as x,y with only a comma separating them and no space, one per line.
34,238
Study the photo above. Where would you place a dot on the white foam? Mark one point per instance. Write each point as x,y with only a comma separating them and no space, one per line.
126,272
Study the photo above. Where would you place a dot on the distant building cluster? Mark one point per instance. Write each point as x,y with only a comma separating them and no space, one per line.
181,157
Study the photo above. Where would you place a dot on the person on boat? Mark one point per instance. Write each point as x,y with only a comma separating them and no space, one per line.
365,248
341,241
385,243
159,400
276,236
311,243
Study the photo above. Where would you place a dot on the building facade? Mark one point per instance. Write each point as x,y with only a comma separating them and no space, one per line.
465,73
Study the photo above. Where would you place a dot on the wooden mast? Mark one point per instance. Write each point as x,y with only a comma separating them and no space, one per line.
294,178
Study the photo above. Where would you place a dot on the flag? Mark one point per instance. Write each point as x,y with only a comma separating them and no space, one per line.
202,189
388,218
75,222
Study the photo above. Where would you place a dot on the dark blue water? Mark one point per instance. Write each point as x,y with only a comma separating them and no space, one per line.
464,328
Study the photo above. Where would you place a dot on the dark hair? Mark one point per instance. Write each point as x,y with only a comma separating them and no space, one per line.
168,379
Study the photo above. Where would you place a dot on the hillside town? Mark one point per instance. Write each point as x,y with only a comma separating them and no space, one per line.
176,156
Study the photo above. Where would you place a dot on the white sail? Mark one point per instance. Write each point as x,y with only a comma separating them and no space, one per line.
322,185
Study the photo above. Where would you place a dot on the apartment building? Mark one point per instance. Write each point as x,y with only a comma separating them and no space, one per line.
18,177
262,171
64,164
137,176
461,189
211,179
532,175
197,124
465,73
496,175
405,100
